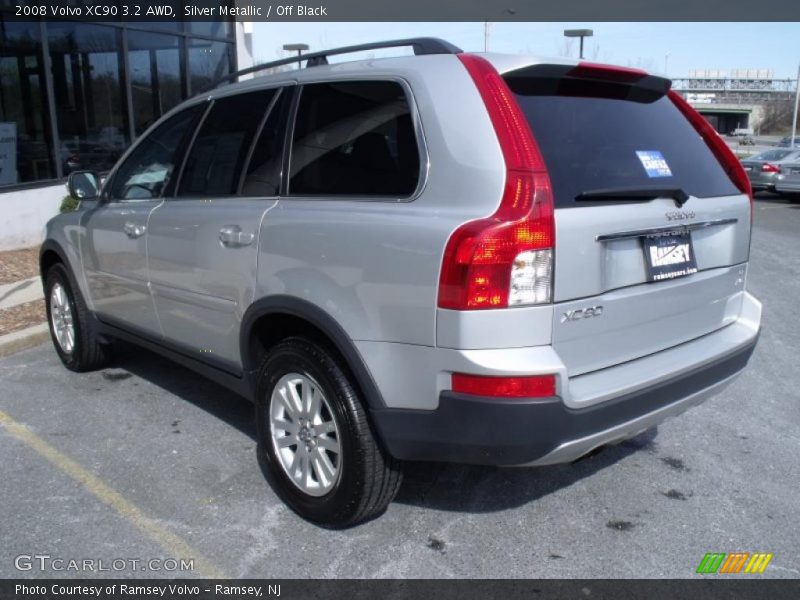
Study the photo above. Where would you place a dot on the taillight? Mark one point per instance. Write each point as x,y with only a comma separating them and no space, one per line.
716,144
770,168
505,259
537,386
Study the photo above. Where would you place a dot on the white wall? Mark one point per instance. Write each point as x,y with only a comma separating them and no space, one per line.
24,213
244,45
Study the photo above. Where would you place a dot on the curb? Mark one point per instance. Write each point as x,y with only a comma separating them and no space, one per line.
23,339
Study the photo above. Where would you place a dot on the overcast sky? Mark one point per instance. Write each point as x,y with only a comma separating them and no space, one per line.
687,46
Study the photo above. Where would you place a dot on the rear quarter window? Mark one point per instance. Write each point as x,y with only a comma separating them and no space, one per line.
592,143
354,138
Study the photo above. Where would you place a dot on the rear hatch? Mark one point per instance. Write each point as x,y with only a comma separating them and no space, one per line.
652,234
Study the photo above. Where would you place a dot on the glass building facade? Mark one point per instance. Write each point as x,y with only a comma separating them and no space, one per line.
73,95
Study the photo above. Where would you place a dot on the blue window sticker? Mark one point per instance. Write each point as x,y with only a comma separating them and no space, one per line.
654,163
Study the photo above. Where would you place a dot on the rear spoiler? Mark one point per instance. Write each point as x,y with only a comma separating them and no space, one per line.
588,79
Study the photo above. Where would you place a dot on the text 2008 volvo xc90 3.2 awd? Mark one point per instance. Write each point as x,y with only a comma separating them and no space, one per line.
478,258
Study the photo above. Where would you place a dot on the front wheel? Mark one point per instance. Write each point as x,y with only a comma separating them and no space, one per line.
72,325
314,436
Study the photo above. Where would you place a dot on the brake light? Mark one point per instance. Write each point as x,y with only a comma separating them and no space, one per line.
770,168
505,259
588,70
716,144
537,386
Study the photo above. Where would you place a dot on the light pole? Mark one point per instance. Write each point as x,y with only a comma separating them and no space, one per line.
296,47
666,62
579,33
796,102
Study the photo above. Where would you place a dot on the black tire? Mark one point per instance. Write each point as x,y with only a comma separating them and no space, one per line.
369,477
89,351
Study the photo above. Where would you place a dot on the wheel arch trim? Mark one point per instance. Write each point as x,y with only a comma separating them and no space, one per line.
52,246
317,318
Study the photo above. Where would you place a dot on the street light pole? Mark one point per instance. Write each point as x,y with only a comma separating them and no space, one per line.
796,102
579,33
296,47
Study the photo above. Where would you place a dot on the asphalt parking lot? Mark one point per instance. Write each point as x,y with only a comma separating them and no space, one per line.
145,460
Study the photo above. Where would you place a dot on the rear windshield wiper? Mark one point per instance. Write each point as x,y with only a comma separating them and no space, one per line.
633,194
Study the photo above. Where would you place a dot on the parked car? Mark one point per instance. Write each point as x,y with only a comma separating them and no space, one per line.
743,131
763,168
786,142
488,259
787,183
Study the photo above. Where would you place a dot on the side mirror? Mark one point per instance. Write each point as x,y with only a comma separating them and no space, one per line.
83,185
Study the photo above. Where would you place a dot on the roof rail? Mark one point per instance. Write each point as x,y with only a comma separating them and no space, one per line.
423,45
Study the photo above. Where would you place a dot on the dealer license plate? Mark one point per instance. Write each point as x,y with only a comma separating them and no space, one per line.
669,255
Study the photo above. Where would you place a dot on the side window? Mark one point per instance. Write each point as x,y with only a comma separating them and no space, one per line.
354,138
146,172
215,161
263,174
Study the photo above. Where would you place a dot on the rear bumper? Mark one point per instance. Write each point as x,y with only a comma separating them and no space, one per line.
762,182
788,186
466,429
474,430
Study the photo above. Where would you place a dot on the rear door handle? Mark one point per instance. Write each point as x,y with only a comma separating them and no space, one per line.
133,230
232,236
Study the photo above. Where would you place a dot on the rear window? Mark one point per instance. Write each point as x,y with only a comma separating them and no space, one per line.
594,143
219,151
772,155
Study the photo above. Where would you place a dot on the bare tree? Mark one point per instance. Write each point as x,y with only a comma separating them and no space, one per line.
777,115
646,64
565,48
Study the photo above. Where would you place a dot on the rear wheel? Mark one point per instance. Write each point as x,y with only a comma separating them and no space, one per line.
316,441
72,326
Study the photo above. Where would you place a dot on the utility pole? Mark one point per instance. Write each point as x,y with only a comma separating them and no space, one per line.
487,31
796,102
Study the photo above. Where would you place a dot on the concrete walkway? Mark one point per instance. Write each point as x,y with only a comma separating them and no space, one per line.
20,292
14,294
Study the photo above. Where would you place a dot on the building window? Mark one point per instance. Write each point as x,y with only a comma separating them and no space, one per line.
91,116
219,29
154,63
84,113
26,148
208,62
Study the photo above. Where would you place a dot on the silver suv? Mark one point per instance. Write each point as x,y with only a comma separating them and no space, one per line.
487,259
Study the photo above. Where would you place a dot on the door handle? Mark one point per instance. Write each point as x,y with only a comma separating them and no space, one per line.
232,236
133,230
